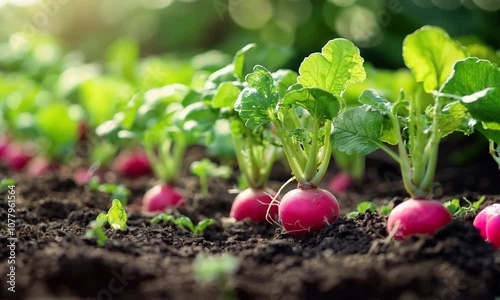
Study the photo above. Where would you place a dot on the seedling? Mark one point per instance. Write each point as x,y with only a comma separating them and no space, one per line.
184,223
302,117
217,269
418,120
488,222
116,218
255,148
456,210
367,206
6,183
117,191
206,169
165,120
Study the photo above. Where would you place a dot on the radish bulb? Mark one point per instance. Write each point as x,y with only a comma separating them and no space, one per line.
161,197
305,210
254,204
488,222
417,216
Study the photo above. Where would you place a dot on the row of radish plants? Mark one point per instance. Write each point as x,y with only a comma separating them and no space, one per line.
136,115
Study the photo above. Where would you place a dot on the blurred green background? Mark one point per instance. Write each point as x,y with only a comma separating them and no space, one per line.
285,30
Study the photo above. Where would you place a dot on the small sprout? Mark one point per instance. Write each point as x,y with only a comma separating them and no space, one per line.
206,169
456,210
6,184
217,269
117,191
116,218
184,223
367,206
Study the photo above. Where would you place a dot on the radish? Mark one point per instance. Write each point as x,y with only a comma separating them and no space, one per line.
162,196
340,183
4,146
417,216
305,210
17,156
254,204
83,175
302,109
132,164
40,166
488,222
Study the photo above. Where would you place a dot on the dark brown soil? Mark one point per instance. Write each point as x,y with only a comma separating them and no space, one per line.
350,259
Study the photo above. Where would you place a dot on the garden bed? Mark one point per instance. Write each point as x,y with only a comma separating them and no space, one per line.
350,259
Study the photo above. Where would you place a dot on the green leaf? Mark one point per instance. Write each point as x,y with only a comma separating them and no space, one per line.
6,183
239,61
257,100
117,216
353,214
478,81
334,69
215,268
358,130
122,58
226,95
366,206
202,225
162,217
430,53
58,127
385,209
453,117
452,206
376,100
319,103
284,80
184,223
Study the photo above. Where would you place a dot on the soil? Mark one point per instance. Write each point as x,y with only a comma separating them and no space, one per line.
350,259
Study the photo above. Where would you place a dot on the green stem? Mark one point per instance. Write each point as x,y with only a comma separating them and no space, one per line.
311,166
403,159
326,155
242,162
269,162
494,153
431,150
204,185
290,152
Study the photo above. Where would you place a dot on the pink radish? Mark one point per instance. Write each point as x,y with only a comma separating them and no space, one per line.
4,145
304,210
417,216
40,166
132,164
488,222
161,197
340,183
254,204
17,156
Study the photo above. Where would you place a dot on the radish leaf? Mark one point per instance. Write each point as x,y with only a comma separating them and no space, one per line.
430,53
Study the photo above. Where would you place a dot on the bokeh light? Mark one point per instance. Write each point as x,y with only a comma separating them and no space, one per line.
358,24
490,5
251,14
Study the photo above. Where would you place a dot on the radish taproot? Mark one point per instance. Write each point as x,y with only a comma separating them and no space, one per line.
488,223
302,109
